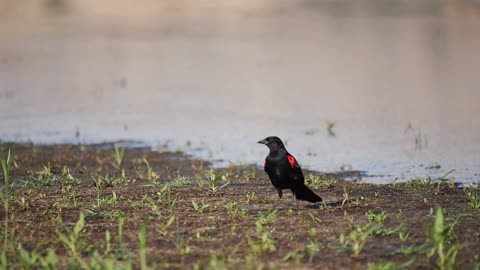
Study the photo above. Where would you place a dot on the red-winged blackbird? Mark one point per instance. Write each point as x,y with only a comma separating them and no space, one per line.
284,171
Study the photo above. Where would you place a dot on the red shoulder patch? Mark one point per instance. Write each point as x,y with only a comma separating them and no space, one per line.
264,163
292,161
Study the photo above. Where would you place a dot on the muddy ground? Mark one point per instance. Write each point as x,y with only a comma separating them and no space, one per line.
201,218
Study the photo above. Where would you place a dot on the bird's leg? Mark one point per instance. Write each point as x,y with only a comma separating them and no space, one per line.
275,205
296,202
279,190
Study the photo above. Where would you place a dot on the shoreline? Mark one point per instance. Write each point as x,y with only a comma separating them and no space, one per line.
348,174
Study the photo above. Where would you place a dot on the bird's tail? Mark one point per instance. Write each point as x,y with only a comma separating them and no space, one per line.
304,193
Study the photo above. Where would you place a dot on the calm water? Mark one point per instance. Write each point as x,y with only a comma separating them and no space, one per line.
398,79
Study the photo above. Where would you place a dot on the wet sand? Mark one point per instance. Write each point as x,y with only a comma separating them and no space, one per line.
222,218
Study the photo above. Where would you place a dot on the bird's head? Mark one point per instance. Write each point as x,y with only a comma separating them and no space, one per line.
272,142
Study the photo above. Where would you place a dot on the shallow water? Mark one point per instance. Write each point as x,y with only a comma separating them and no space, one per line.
399,80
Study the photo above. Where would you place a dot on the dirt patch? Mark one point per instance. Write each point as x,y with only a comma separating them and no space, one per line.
197,217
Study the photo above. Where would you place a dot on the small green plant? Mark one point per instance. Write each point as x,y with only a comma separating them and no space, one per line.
313,247
23,202
5,197
117,156
296,255
181,242
379,230
108,262
163,229
3,259
69,178
97,189
44,177
113,181
212,182
250,196
215,262
50,261
27,259
200,207
474,199
235,210
150,174
438,236
444,177
265,242
45,171
142,251
165,195
319,181
33,260
357,238
110,200
377,216
420,181
266,218
105,213
403,236
70,240
347,189
391,265
412,249
172,202
121,221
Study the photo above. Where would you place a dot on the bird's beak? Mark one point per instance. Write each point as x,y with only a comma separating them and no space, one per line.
264,141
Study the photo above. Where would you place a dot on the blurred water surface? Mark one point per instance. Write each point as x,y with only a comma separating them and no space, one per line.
388,87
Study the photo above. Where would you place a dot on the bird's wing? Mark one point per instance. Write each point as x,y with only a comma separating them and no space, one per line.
293,162
295,171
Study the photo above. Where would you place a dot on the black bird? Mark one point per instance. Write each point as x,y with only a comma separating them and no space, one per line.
284,172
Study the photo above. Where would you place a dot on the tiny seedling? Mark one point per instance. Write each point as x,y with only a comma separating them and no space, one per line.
250,196
181,242
296,255
376,216
420,181
474,199
313,247
121,221
70,240
163,228
73,195
347,189
5,196
27,259
319,181
151,175
266,218
142,251
438,236
212,182
391,265
403,236
357,238
235,211
200,207
384,231
265,244
117,156
45,171
108,242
